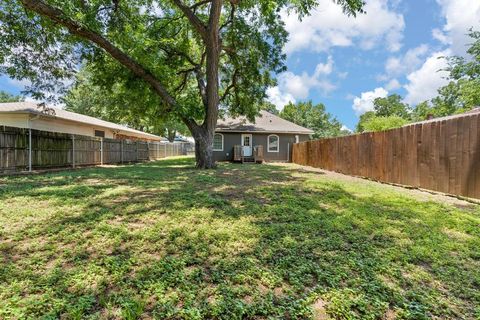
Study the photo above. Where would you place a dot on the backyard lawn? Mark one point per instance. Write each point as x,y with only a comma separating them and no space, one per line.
164,240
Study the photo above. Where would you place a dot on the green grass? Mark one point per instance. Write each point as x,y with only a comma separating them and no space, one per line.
164,240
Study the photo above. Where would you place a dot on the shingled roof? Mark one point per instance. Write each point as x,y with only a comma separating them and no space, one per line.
34,108
265,122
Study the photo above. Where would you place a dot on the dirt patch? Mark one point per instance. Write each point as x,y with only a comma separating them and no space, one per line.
319,310
390,315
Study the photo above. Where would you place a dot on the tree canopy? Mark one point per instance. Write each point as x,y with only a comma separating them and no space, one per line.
8,97
462,93
314,117
391,106
138,109
388,113
194,55
379,123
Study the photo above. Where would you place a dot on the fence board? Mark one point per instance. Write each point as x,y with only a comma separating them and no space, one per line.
441,155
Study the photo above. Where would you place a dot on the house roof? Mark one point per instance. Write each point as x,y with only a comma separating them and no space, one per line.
454,116
264,122
36,109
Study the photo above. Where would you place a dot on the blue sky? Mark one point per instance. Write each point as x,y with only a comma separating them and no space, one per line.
346,62
394,48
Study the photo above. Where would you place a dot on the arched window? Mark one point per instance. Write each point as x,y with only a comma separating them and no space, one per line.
218,142
273,143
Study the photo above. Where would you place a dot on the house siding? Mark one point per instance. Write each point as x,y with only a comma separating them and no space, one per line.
284,153
24,120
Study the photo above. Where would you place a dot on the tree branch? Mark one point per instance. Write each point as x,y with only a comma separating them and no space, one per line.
231,86
175,52
230,20
77,29
202,87
192,17
198,4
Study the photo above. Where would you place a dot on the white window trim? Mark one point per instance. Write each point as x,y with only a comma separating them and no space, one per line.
222,142
268,143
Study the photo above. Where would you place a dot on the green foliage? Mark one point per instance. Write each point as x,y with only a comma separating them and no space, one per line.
462,93
389,113
421,111
363,119
314,117
377,123
128,103
8,97
163,240
391,106
161,39
270,107
456,97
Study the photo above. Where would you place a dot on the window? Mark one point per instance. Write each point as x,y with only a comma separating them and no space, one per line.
218,142
100,133
273,143
246,141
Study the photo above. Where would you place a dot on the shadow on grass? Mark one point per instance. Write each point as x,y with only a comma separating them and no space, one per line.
166,240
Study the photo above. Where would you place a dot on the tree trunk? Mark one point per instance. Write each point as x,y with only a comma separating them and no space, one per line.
203,135
203,148
171,134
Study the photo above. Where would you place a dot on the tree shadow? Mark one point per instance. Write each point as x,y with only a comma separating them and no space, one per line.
166,240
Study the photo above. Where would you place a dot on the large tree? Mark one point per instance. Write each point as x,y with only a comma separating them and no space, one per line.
313,116
391,106
195,55
388,113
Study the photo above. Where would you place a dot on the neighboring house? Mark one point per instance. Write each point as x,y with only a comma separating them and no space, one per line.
41,117
274,134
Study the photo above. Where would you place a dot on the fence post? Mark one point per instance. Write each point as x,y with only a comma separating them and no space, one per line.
165,149
136,149
121,151
288,152
73,150
101,151
30,150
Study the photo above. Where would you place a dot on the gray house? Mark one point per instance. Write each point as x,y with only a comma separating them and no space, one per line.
268,138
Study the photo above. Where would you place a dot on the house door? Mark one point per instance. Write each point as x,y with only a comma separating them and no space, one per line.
247,145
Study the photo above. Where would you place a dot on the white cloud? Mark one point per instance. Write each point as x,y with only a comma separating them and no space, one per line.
278,98
393,85
460,15
292,86
345,128
364,103
412,59
441,36
327,26
423,83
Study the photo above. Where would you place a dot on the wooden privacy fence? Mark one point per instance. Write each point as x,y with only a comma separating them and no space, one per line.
26,150
442,155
